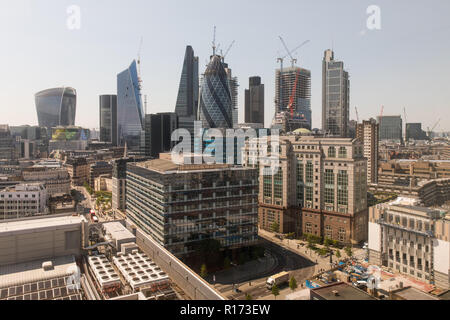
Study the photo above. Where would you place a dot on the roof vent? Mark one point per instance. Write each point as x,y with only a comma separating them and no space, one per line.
335,292
47,265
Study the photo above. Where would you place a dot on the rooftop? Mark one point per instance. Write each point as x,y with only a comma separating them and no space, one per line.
342,291
411,293
118,231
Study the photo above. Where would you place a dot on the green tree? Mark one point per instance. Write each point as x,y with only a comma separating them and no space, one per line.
338,254
275,227
348,251
248,297
203,271
293,284
323,251
327,242
275,291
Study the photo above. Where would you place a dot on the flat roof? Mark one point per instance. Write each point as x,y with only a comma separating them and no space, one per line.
412,293
118,231
38,223
344,292
27,272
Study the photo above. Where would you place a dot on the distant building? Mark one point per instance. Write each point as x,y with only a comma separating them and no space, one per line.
158,133
78,170
391,128
119,175
179,206
284,86
216,105
367,132
103,183
233,84
56,180
108,119
130,114
56,107
187,101
318,189
335,96
414,132
97,169
23,200
6,143
254,101
411,240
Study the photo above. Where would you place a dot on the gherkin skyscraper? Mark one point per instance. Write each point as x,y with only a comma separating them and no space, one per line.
215,106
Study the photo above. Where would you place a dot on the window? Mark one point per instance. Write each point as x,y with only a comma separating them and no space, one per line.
329,186
329,232
341,234
342,152
278,184
342,180
331,152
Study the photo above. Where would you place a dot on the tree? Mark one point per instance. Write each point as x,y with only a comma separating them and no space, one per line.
348,251
203,271
293,284
275,227
323,251
248,297
275,291
338,254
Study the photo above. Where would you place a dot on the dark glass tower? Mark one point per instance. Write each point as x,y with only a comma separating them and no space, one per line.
215,107
187,100
158,133
254,101
108,119
130,115
56,107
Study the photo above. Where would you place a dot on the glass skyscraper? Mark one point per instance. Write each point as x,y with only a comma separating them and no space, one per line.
215,107
335,96
108,119
187,100
130,115
56,107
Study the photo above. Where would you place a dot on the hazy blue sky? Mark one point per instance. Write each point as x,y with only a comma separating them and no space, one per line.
405,64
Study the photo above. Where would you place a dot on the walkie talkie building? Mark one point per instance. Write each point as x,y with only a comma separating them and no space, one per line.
56,107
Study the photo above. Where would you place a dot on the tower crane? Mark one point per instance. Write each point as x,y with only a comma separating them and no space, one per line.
281,61
228,50
291,99
214,42
406,125
357,115
434,127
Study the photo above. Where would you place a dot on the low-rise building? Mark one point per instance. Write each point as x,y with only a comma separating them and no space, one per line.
56,181
23,200
78,170
411,240
97,169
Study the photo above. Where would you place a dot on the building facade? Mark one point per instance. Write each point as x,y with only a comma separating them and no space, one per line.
180,206
367,132
130,114
254,101
56,180
391,128
414,132
23,200
284,87
319,188
215,106
411,240
56,107
158,133
79,170
335,96
6,143
108,119
233,84
187,100
97,169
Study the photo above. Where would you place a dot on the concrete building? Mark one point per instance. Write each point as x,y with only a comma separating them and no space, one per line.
103,183
179,206
335,96
23,200
97,169
79,170
319,188
56,181
414,132
391,128
367,132
411,240
254,101
284,86
40,238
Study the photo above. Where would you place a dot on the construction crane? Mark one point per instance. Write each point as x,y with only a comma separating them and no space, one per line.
228,50
434,127
357,115
281,61
214,42
406,125
291,99
139,61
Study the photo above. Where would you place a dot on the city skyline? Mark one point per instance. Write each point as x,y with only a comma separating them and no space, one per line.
379,61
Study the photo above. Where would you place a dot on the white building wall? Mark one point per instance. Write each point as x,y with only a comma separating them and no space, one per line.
374,236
